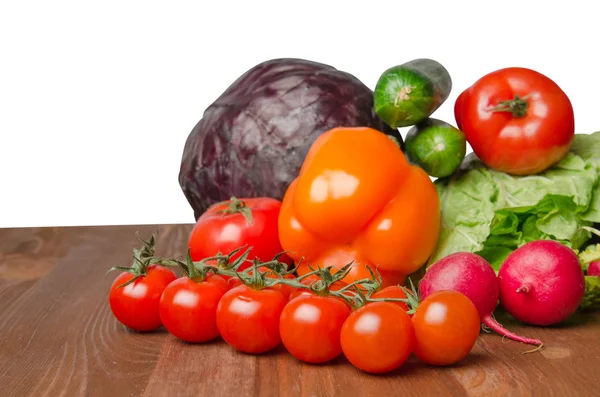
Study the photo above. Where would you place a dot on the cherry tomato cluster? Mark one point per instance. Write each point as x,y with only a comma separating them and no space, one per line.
256,306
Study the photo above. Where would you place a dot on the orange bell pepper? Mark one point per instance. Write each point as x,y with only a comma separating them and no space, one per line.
357,198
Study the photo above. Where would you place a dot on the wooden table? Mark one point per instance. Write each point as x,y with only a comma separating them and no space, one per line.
59,338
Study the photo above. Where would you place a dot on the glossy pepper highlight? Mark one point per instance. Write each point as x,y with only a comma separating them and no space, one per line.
357,199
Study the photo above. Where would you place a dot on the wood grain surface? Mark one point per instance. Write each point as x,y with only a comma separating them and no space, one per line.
59,338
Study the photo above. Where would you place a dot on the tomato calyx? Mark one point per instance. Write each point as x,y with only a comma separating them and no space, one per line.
363,289
276,267
224,265
323,286
411,300
234,206
219,264
356,294
517,106
142,259
196,273
326,279
256,279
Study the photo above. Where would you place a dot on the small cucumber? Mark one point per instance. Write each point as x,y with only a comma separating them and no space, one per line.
436,146
409,93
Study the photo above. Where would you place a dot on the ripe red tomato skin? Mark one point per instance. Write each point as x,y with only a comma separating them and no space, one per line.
137,304
310,328
459,108
215,232
188,309
448,333
248,319
378,337
518,146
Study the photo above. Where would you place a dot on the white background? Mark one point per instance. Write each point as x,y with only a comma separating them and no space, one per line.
98,98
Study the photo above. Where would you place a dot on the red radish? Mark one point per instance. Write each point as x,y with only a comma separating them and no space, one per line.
475,278
541,283
594,269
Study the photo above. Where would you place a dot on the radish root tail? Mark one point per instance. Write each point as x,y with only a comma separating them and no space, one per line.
490,322
534,350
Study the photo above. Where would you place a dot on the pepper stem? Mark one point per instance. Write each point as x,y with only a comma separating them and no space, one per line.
517,106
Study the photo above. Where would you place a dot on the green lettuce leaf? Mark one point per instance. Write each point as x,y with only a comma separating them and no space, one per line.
591,298
590,254
588,148
492,213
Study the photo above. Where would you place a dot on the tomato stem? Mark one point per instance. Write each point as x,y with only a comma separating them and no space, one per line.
412,297
224,264
237,206
142,258
196,273
517,106
353,293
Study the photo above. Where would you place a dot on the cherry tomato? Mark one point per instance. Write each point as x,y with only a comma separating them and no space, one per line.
446,327
393,291
226,226
137,304
286,289
310,327
188,309
377,337
516,120
248,319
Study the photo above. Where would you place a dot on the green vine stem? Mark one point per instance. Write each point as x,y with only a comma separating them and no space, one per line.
142,259
356,294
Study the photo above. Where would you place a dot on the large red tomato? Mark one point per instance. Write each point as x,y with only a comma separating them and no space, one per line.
516,120
236,223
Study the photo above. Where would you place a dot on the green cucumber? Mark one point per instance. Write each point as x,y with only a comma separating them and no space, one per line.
436,146
409,93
